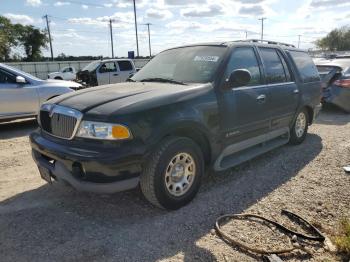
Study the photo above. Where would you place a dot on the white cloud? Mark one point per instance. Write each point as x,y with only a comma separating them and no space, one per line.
33,2
158,13
252,10
20,19
85,7
204,11
59,3
121,20
184,2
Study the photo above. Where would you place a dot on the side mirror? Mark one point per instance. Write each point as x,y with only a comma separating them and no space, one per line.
238,78
20,80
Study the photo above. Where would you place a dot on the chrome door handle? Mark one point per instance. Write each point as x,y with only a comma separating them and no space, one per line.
296,91
261,98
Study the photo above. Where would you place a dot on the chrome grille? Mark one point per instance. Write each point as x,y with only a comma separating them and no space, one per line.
59,121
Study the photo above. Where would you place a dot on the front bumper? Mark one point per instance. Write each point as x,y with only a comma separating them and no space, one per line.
100,170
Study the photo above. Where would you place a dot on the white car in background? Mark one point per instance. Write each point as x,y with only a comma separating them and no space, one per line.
108,71
66,73
22,94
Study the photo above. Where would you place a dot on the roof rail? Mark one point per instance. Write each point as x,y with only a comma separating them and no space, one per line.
264,41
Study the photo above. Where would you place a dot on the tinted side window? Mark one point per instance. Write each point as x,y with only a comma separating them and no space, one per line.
306,67
244,58
273,66
108,67
125,66
6,77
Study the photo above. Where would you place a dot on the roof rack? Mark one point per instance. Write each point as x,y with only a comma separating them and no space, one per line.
264,41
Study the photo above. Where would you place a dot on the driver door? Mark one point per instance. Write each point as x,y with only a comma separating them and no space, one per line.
16,99
106,73
245,113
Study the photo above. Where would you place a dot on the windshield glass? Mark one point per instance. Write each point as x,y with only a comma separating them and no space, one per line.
195,64
92,66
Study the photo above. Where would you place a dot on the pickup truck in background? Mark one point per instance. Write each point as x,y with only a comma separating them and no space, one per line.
104,72
66,73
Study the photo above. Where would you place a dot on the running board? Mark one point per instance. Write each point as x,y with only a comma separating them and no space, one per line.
238,153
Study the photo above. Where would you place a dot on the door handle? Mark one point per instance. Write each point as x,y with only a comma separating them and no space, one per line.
296,91
261,98
115,74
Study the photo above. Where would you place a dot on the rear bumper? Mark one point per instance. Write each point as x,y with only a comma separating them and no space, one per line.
100,171
337,96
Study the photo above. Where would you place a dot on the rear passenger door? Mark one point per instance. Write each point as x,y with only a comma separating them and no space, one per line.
125,70
283,93
244,112
105,72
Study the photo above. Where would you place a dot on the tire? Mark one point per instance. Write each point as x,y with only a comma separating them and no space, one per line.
157,185
298,131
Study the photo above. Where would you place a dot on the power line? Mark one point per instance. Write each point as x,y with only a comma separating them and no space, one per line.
48,30
149,40
137,40
111,32
262,27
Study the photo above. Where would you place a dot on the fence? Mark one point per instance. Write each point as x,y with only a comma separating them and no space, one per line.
42,69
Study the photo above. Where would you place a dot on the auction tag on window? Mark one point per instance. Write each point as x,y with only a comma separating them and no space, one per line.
207,58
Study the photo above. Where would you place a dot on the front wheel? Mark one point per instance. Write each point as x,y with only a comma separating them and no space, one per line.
299,129
172,173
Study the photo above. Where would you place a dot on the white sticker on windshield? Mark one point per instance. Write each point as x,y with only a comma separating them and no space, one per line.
207,58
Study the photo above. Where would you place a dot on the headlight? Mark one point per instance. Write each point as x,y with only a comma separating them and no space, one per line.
98,130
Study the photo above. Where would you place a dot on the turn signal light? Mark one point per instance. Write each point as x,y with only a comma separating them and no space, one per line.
120,132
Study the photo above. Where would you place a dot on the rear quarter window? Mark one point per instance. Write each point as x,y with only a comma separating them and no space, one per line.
306,67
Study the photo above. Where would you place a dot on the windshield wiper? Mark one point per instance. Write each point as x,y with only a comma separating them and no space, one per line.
162,80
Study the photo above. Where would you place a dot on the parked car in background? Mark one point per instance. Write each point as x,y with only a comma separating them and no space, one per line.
190,108
105,72
66,73
335,74
21,94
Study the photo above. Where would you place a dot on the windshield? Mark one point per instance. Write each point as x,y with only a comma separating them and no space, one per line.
92,66
195,64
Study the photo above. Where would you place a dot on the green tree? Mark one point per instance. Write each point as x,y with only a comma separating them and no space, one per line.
33,40
336,40
8,38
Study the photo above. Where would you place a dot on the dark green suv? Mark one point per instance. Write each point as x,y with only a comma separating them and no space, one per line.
190,108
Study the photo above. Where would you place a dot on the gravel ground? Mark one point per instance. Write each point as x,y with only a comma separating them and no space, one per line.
39,222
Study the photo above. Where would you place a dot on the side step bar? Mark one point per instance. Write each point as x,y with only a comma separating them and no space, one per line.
238,153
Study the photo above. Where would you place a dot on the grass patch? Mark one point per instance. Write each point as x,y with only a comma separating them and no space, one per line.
342,239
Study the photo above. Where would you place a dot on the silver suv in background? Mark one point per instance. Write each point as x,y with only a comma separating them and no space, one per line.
22,94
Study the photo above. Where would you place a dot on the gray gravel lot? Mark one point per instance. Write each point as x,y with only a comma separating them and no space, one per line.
39,222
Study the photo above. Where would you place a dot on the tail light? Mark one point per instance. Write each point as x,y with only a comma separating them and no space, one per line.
345,83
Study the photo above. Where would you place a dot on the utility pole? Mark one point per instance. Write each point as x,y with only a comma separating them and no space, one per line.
246,34
137,38
262,27
111,32
48,31
149,40
299,40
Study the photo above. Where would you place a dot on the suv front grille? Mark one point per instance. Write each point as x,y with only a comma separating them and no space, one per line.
60,121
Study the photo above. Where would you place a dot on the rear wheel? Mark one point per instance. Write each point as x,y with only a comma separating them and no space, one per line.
299,129
172,173
58,78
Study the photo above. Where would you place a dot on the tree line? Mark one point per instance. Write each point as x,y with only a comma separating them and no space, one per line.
16,39
336,40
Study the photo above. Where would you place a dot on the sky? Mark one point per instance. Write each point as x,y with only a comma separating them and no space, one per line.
80,27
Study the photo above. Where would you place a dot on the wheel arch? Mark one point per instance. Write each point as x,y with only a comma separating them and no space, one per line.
192,130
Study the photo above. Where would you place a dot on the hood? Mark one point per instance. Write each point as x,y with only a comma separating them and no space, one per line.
62,83
129,97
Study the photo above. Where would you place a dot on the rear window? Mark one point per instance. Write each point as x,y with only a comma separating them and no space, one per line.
306,67
125,65
274,69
